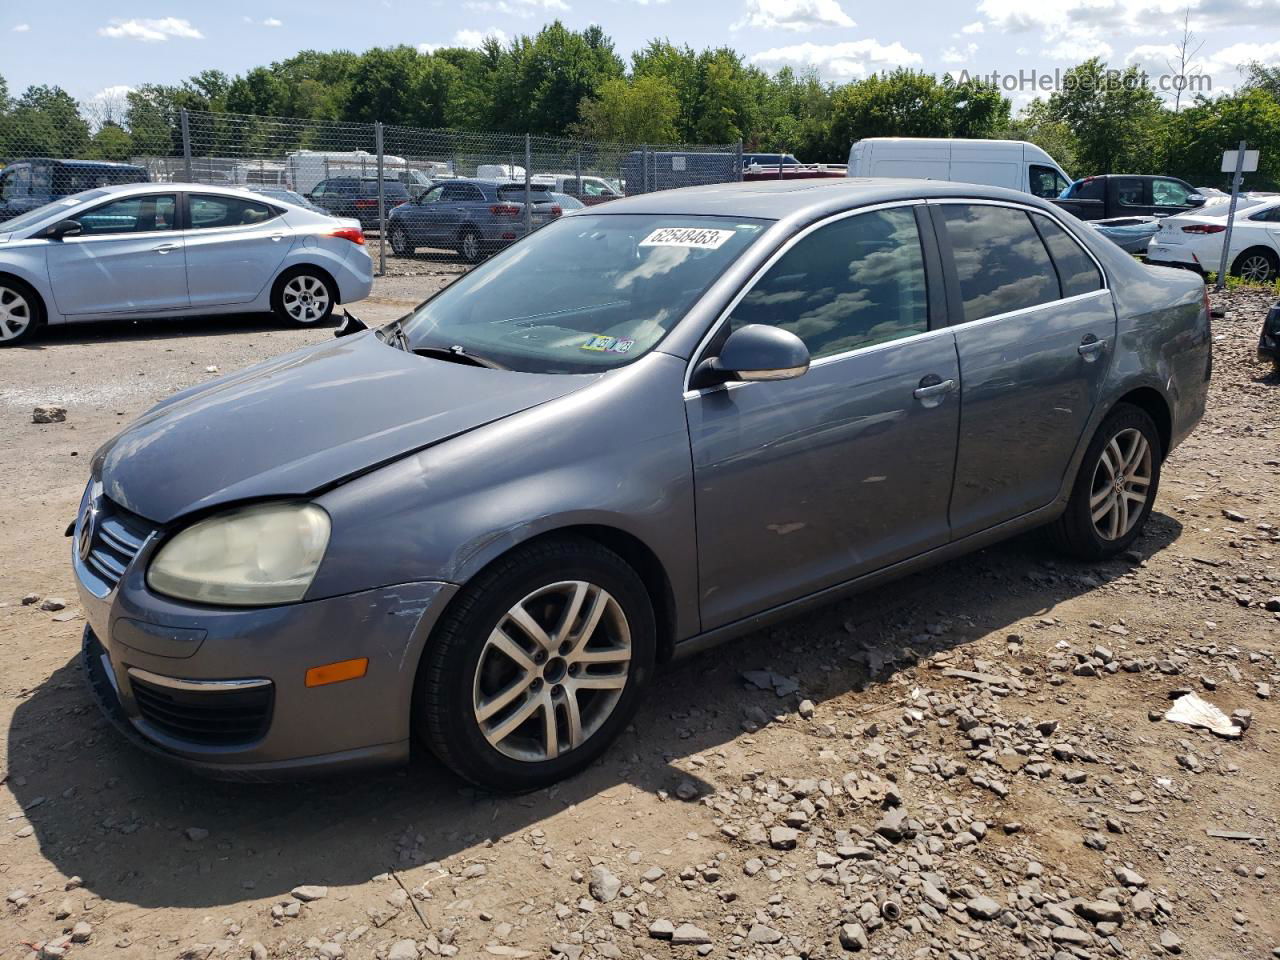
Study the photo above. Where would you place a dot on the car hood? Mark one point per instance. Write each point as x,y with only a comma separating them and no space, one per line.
304,421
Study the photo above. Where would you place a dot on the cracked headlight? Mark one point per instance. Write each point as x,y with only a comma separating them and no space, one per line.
251,556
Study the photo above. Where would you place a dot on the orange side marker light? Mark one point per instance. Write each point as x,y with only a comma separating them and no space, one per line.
337,672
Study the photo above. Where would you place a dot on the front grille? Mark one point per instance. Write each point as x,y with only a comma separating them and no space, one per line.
221,718
117,538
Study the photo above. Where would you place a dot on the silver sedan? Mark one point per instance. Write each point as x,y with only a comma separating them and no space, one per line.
166,249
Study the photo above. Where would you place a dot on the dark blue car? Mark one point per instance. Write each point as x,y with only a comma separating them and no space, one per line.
28,184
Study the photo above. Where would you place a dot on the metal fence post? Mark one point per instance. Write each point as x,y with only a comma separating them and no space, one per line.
577,172
781,156
528,185
382,202
738,156
1231,217
186,145
644,167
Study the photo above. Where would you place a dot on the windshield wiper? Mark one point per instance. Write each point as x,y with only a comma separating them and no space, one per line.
393,333
457,354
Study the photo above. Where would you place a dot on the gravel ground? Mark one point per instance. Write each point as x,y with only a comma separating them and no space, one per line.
969,763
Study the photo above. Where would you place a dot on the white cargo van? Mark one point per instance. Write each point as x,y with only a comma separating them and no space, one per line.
999,163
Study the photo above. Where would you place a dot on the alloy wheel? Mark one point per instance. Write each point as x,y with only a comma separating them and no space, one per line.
552,671
305,298
1121,484
1256,268
399,242
470,247
15,313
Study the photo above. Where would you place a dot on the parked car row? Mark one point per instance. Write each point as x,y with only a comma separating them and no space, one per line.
163,249
1194,241
474,217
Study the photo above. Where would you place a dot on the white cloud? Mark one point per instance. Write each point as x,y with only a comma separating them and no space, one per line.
469,39
516,8
954,55
272,22
841,60
1082,21
151,31
21,27
800,16
976,27
1078,49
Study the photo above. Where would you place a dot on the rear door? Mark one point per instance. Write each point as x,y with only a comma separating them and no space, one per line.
1131,197
234,246
802,484
129,259
1035,335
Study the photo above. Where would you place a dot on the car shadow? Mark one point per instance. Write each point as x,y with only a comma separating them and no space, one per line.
116,817
157,328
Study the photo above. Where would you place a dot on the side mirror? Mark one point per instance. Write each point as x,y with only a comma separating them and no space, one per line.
755,352
350,324
62,229
1196,200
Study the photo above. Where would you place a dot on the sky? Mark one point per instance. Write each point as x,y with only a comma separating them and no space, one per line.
97,48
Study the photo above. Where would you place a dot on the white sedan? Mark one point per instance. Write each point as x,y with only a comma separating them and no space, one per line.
165,249
1194,241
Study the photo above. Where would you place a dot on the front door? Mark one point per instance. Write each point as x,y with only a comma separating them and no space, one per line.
128,259
1036,333
802,484
234,247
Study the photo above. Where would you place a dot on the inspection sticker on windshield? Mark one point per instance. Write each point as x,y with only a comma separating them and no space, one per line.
700,237
602,344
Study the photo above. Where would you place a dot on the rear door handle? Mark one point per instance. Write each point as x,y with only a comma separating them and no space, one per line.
165,247
1091,347
933,388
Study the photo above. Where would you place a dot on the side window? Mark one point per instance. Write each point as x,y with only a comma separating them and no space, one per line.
452,193
1077,272
212,211
1000,261
1091,189
1268,216
46,183
1129,192
17,183
1047,182
319,190
143,214
432,196
1168,193
854,283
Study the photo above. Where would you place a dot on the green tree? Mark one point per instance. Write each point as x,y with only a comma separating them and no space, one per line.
111,142
46,121
1036,124
1196,138
541,80
642,110
1115,118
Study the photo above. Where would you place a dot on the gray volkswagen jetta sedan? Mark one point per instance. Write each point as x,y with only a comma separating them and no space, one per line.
648,427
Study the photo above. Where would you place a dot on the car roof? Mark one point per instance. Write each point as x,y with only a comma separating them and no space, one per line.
803,199
153,187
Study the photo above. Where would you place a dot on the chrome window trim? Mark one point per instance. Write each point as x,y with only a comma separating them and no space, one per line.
201,686
765,268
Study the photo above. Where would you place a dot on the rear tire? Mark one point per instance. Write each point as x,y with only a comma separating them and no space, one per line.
400,244
304,296
1256,265
470,247
1115,487
21,312
510,695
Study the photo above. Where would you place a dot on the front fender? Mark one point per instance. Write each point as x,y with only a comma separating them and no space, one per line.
615,454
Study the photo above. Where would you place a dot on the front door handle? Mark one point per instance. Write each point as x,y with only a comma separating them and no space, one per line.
165,248
1091,347
932,389
277,237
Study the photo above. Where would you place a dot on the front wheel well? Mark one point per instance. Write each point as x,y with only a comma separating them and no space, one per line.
17,281
1150,401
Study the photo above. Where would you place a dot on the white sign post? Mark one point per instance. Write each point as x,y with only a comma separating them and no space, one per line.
1241,161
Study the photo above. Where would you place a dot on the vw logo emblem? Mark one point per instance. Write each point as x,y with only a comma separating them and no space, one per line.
84,543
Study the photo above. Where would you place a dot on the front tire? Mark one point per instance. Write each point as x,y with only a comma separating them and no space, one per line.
304,297
21,312
1115,489
537,665
1256,265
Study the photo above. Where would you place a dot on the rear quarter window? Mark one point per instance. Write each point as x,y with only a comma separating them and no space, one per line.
1076,269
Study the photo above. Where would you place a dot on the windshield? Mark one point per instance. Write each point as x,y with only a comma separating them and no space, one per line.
586,293
41,213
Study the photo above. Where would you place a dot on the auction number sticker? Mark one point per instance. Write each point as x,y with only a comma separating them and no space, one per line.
700,237
602,344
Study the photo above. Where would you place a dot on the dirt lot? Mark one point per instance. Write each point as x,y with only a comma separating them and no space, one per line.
831,785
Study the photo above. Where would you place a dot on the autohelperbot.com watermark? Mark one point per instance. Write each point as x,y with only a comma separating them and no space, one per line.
1057,80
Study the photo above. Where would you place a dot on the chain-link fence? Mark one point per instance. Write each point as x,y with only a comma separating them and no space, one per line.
416,189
